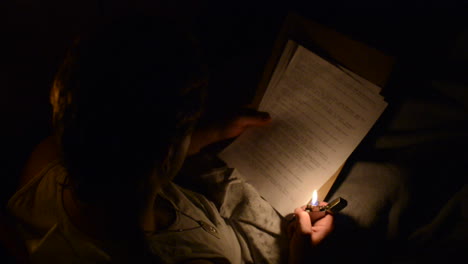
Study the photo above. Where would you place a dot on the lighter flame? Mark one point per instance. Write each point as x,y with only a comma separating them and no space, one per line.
314,198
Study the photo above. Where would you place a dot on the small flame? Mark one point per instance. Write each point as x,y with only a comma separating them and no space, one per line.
314,198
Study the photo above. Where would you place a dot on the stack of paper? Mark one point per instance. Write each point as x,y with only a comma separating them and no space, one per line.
320,112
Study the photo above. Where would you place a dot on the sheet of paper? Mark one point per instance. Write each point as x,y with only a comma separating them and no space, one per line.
281,66
314,67
319,66
372,87
319,118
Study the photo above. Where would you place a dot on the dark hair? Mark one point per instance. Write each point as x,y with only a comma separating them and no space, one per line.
125,97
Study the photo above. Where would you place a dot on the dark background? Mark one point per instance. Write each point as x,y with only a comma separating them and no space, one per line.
237,36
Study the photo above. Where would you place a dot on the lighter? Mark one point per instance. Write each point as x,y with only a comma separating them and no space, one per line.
333,207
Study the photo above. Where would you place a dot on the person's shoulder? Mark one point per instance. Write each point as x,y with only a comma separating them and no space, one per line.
39,184
42,156
24,205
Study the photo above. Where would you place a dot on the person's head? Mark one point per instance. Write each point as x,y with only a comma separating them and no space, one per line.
124,102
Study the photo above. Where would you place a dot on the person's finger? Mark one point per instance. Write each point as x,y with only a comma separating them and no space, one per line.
298,210
321,229
325,221
315,216
303,224
257,119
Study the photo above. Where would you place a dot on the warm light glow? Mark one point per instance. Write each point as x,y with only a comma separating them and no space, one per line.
314,198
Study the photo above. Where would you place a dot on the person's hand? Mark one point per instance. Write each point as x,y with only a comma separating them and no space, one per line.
305,234
230,128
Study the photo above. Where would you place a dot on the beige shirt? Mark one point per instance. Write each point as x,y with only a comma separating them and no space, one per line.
198,231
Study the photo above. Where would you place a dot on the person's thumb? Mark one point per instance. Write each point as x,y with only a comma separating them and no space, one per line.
253,119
